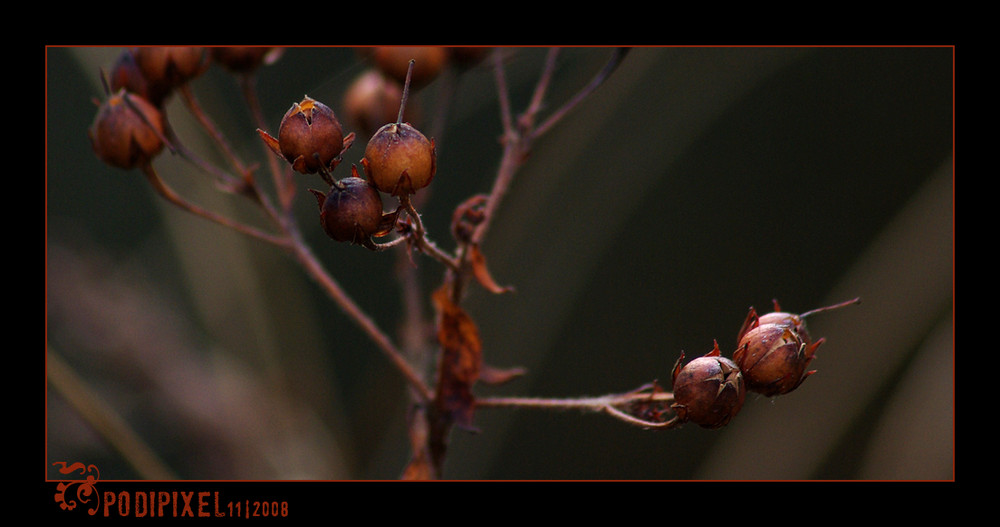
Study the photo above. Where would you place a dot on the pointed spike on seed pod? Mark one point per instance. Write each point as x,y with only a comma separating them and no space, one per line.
677,368
715,351
851,302
406,90
320,197
271,142
749,323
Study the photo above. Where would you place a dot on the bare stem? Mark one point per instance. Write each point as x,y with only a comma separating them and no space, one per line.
192,104
420,236
315,269
282,179
170,195
608,404
609,68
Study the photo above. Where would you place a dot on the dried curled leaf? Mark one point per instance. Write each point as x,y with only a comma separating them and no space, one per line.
461,359
482,274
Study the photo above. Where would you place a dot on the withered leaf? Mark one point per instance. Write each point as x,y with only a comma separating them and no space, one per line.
482,274
461,359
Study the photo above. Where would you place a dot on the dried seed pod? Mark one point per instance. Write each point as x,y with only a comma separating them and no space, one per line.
774,349
125,73
242,59
709,390
399,160
774,358
373,100
467,56
310,138
127,131
792,320
166,67
394,61
351,211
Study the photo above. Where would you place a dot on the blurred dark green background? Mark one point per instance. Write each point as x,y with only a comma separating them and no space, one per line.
697,182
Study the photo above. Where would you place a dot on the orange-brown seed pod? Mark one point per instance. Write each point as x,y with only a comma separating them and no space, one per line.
310,137
709,390
774,349
399,160
167,67
465,57
351,211
127,131
243,58
125,74
394,61
373,100
774,358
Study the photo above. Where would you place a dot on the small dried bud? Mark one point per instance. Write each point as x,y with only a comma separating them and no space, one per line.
310,137
167,67
467,57
774,359
399,160
774,349
708,391
243,59
394,61
125,74
127,131
373,100
351,211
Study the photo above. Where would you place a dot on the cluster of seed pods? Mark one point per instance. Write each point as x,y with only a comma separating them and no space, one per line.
772,356
398,160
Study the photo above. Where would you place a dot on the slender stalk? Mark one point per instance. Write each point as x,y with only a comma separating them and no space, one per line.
608,404
170,195
195,108
315,269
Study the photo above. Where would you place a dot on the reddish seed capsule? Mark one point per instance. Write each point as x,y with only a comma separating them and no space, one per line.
399,160
373,100
127,131
775,349
310,138
394,61
709,390
242,59
773,359
351,211
467,57
125,74
166,67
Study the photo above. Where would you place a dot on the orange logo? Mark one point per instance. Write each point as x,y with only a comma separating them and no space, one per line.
85,491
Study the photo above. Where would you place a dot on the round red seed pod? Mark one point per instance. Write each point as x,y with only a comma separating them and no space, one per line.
166,67
351,211
125,74
709,391
399,160
790,320
127,131
394,61
310,137
241,58
373,100
773,359
467,57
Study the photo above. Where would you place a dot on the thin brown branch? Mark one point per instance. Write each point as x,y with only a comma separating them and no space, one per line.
315,269
170,195
609,68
